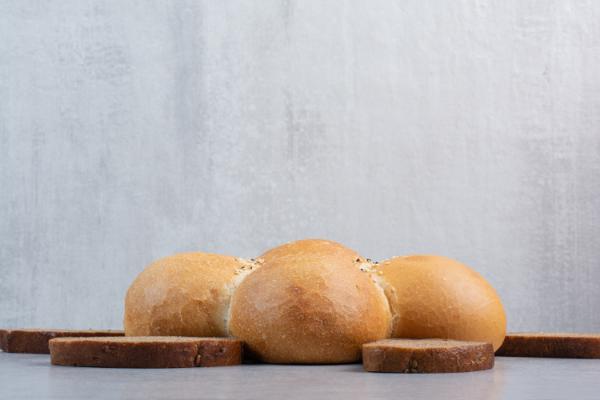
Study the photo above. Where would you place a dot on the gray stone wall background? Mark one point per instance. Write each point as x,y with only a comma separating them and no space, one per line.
133,130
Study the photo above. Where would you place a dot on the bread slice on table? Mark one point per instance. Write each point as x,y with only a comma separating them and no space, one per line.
146,352
550,344
36,340
427,356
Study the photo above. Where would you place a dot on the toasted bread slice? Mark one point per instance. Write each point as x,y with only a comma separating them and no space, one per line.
146,352
427,356
36,340
550,344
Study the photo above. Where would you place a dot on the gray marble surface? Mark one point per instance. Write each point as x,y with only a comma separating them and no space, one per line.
31,376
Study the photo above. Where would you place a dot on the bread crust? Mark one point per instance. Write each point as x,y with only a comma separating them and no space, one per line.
550,344
187,294
308,304
434,296
146,352
427,356
36,340
310,247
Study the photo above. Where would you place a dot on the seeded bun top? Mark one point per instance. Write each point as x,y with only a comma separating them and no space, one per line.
436,297
308,304
186,294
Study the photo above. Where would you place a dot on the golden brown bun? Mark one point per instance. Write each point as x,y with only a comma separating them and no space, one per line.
436,297
186,294
308,304
300,248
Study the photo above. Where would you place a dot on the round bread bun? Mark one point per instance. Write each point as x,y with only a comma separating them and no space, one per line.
186,294
308,304
309,247
436,297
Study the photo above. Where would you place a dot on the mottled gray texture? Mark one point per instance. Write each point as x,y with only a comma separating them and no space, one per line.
132,130
30,376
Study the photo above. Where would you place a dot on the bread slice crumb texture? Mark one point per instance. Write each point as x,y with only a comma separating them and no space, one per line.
146,352
36,340
551,344
427,356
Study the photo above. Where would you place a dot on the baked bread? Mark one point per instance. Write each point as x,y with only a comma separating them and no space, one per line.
551,344
308,304
146,352
36,340
436,297
186,294
312,301
427,356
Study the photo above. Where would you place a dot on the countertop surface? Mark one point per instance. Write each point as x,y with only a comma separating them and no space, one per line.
31,376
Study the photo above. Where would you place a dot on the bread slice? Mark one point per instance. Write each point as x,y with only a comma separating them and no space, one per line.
146,352
550,344
36,340
427,356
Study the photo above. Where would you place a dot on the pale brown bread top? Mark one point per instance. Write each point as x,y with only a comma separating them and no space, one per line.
427,356
310,247
308,304
186,294
434,296
421,343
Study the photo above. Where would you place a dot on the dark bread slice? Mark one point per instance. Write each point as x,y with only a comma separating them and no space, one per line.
550,344
146,352
427,356
36,340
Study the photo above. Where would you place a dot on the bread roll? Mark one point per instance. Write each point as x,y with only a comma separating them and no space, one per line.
186,294
312,301
436,297
309,247
309,304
